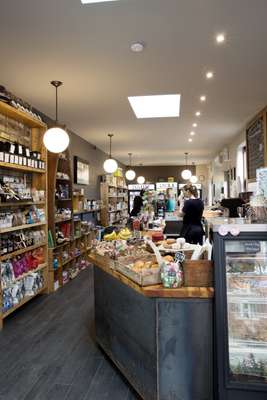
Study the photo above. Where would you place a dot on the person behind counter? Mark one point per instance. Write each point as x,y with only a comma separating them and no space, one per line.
137,204
191,208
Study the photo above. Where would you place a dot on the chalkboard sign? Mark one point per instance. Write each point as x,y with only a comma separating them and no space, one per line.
252,246
255,147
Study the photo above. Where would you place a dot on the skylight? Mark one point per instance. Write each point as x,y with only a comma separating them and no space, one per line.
160,106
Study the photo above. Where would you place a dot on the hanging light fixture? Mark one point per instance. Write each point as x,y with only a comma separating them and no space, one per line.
141,180
193,178
130,173
186,173
56,139
110,165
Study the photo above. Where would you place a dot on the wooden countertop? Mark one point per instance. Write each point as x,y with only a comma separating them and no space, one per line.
152,291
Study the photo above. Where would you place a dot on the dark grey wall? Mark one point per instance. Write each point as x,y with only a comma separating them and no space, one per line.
95,157
155,173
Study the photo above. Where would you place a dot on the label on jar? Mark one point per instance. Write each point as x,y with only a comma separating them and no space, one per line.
12,158
20,149
7,157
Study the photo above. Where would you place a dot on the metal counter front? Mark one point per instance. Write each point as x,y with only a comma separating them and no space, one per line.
161,340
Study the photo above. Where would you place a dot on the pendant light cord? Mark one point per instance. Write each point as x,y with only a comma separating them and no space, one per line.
186,159
110,138
130,159
56,105
56,85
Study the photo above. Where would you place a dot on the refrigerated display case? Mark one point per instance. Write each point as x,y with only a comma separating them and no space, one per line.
134,190
161,187
240,255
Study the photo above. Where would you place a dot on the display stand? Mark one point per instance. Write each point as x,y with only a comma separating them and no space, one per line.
114,196
68,254
22,130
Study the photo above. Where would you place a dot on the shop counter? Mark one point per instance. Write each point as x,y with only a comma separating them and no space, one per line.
160,339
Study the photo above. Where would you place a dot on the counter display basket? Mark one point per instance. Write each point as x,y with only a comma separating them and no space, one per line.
144,271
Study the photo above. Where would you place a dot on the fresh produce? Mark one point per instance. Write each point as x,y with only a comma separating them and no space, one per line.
125,234
111,236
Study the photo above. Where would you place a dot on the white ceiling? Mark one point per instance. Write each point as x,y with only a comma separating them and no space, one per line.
88,48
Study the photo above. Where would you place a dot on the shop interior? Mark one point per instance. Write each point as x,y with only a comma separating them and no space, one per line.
133,200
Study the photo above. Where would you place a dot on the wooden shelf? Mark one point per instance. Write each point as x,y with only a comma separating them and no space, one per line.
22,203
24,301
62,199
21,168
39,268
85,212
74,257
21,251
59,221
35,132
17,228
117,199
21,116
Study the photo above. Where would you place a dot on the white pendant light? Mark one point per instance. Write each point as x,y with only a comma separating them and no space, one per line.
186,173
141,180
56,139
130,173
110,165
193,178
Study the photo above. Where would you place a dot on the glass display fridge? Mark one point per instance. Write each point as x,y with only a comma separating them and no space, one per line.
240,256
134,190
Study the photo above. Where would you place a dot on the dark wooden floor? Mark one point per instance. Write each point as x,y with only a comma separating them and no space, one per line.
47,350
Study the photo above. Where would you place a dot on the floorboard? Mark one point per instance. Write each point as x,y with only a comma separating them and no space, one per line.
48,352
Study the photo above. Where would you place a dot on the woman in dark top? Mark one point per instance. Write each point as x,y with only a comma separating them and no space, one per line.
137,204
192,211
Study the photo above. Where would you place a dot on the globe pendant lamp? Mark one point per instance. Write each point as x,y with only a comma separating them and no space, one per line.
193,178
110,165
141,180
56,139
130,173
186,173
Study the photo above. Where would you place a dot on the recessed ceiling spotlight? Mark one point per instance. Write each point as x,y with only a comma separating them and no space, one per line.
137,47
220,38
194,125
190,140
197,114
209,75
203,98
192,133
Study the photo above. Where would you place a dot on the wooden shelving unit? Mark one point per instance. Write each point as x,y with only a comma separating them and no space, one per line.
65,259
114,196
35,130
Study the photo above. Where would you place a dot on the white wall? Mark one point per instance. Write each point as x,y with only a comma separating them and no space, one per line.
218,167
